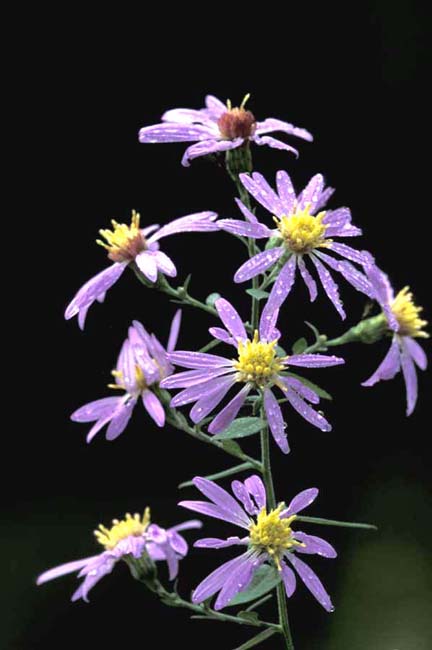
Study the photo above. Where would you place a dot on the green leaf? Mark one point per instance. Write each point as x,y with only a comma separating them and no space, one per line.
241,428
280,351
211,299
314,329
231,446
299,346
265,579
248,616
256,640
310,384
258,294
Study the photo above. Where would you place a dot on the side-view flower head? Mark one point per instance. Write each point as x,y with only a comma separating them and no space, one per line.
218,127
133,244
403,320
256,367
303,231
132,537
141,365
269,539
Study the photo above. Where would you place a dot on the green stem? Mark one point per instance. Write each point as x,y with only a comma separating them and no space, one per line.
210,345
333,522
224,473
262,636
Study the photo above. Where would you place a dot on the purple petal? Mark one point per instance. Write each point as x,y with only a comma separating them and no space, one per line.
312,582
307,411
258,264
96,410
197,222
325,195
204,389
416,352
184,116
215,542
198,360
174,330
228,414
258,187
209,146
388,367
238,580
272,124
191,377
165,264
282,286
289,579
285,190
337,218
215,106
330,286
315,360
274,143
350,253
410,377
186,525
211,510
314,545
102,566
170,132
120,420
248,215
355,278
222,499
222,335
301,501
216,579
307,279
244,228
93,289
300,388
231,319
267,329
312,192
63,569
383,293
153,407
242,494
343,231
275,420
98,426
146,262
210,400
256,488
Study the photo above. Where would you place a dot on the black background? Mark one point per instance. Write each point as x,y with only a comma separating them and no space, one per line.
353,76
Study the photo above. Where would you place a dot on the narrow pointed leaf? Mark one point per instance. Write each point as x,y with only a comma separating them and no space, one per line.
241,428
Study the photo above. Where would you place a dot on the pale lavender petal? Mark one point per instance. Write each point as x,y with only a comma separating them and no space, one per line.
248,215
183,116
238,580
92,289
191,377
330,286
215,542
242,494
100,408
315,360
211,510
197,222
244,228
361,257
146,262
197,360
388,367
314,545
303,390
307,279
99,425
174,331
95,572
64,569
273,124
82,314
120,420
410,377
289,579
170,132
256,488
258,187
207,147
231,319
416,352
228,414
301,501
126,365
383,293
325,195
222,499
275,420
204,389
215,106
280,290
165,264
153,407
149,229
171,558
312,192
340,217
285,190
268,141
343,231
307,411
210,400
216,579
258,264
222,335
312,582
186,525
356,278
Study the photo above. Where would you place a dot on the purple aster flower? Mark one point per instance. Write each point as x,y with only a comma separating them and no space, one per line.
142,364
126,244
257,367
126,539
269,539
302,230
218,127
403,319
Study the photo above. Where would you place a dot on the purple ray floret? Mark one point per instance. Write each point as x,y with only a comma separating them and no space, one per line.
269,539
218,128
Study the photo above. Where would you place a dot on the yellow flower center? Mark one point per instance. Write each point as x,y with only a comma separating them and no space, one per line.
129,526
257,361
408,315
123,242
140,381
272,534
302,231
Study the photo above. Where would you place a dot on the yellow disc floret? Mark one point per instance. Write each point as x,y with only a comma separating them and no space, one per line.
302,231
273,535
257,361
408,315
123,242
129,526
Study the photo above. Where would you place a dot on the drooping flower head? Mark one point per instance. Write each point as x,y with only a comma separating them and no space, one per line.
270,538
127,244
303,231
404,321
218,127
142,364
257,367
134,537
